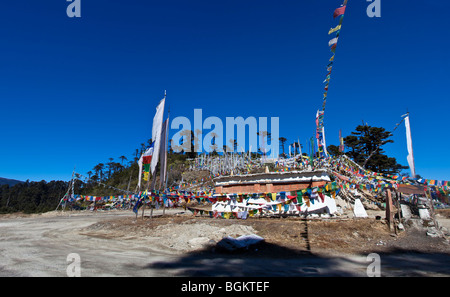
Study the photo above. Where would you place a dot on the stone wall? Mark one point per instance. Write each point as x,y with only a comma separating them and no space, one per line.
266,188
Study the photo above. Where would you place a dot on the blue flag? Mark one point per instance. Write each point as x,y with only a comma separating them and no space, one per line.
138,203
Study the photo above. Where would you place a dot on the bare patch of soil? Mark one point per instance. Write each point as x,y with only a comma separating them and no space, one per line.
185,233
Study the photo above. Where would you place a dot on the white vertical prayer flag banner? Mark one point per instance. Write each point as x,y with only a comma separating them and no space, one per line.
140,163
324,142
156,133
410,156
163,152
300,148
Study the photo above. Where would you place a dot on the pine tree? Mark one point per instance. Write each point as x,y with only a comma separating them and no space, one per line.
364,146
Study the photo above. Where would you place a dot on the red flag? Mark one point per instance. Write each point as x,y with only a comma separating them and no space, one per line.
147,159
333,48
339,11
147,156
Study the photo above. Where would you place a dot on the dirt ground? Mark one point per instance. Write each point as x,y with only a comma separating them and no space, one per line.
115,243
183,232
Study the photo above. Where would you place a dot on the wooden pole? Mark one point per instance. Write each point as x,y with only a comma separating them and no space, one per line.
389,214
432,213
153,186
143,206
398,210
143,200
164,204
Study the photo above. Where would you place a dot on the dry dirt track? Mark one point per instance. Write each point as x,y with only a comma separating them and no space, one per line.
39,246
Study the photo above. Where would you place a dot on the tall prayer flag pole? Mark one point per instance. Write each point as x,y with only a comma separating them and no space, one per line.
163,157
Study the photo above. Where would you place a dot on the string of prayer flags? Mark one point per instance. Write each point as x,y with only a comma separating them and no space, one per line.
332,43
299,197
274,196
319,133
435,183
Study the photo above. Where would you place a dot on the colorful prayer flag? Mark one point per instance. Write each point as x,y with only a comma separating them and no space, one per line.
332,30
332,41
339,11
147,156
333,48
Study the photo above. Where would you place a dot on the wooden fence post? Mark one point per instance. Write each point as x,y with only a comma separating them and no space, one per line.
389,214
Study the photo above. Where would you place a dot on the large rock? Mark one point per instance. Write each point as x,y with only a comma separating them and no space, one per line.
424,214
242,242
406,211
199,242
358,209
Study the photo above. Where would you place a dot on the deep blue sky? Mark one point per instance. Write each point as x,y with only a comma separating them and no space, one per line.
75,92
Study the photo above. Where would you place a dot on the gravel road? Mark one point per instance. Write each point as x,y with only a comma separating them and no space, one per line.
39,246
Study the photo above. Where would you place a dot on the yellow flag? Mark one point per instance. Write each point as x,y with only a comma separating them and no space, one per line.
307,201
332,30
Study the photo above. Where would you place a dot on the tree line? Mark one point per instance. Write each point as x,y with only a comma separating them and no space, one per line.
43,196
31,197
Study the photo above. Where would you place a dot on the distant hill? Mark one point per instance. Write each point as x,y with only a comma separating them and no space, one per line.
11,182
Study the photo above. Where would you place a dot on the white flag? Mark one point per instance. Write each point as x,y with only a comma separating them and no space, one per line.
299,147
156,134
332,41
324,143
410,156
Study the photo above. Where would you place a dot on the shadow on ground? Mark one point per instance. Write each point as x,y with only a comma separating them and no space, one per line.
263,259
271,260
407,262
414,255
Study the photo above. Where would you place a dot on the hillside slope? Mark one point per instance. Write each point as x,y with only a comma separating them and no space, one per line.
10,182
